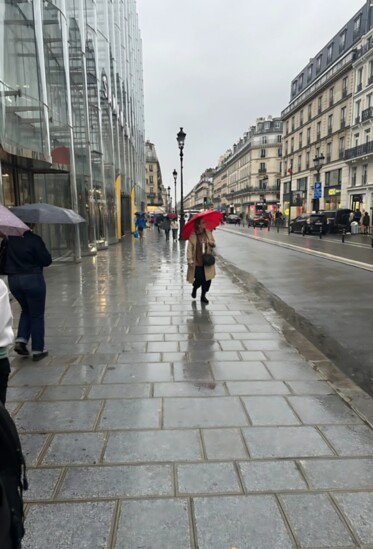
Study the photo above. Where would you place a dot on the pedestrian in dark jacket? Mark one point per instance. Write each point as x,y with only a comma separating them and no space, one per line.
166,226
25,258
366,222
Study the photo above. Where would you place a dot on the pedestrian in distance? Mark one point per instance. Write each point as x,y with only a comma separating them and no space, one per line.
366,222
26,256
200,242
166,226
140,224
357,216
6,338
174,228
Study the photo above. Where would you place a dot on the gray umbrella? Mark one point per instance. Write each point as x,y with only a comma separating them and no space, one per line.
47,213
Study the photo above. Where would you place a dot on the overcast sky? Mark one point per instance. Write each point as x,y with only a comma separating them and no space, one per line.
214,66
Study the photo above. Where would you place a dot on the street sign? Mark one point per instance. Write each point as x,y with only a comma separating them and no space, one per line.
317,191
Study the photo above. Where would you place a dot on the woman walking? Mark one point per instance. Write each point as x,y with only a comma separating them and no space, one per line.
25,258
201,242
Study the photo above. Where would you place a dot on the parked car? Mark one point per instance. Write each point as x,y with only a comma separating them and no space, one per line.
233,219
309,224
337,220
260,220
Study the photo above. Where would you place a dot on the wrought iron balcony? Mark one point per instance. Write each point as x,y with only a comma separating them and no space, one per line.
359,87
262,170
343,124
344,92
367,114
360,150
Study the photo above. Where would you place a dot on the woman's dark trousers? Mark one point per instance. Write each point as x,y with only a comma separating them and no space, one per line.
200,280
30,292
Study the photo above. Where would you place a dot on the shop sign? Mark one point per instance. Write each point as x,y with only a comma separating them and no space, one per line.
334,191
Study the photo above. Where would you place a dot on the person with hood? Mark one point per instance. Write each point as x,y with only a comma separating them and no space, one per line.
26,256
6,338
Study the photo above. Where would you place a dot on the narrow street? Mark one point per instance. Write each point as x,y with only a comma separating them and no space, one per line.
159,423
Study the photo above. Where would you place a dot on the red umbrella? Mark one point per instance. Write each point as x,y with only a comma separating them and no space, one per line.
211,217
171,215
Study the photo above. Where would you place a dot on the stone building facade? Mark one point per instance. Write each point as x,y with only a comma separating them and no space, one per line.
318,124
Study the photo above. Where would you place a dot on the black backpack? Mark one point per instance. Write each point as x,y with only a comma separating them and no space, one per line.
13,482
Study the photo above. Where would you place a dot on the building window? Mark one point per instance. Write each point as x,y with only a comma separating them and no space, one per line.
262,153
357,25
309,111
343,117
319,104
318,131
309,73
356,139
286,148
287,127
300,140
301,118
278,184
262,167
359,79
294,88
331,97
150,167
151,179
292,145
287,187
345,86
318,63
300,163
308,136
329,152
307,161
353,176
300,84
279,152
330,123
293,124
357,111
342,40
330,53
279,138
364,175
341,147
264,140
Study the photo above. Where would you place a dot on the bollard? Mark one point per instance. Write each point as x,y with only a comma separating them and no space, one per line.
320,232
343,235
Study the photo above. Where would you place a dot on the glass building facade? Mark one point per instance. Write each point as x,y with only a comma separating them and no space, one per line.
72,116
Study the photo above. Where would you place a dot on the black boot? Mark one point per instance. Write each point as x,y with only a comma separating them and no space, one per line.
204,299
21,348
194,292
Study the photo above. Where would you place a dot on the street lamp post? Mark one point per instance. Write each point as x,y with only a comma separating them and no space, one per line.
181,141
174,173
317,162
169,198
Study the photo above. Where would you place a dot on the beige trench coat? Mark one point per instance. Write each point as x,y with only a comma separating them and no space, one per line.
210,272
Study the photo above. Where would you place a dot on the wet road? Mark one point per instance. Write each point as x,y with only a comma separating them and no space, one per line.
332,301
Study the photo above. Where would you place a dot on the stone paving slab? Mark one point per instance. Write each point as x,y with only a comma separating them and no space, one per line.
160,423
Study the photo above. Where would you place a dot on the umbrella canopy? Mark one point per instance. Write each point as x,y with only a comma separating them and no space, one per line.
171,215
211,217
10,225
47,213
140,213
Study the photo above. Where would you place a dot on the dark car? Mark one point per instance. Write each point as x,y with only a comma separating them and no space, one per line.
233,219
309,224
338,220
260,220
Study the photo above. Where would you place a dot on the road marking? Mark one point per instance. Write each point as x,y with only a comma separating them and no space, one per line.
323,255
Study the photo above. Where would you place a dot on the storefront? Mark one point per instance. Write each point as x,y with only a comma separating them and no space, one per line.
358,202
332,197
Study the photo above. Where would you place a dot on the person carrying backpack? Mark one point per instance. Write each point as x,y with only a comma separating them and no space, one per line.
13,482
6,338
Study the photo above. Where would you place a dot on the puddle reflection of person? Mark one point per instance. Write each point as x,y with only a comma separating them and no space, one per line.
200,241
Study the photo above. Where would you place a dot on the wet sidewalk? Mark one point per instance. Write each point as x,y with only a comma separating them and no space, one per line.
156,423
